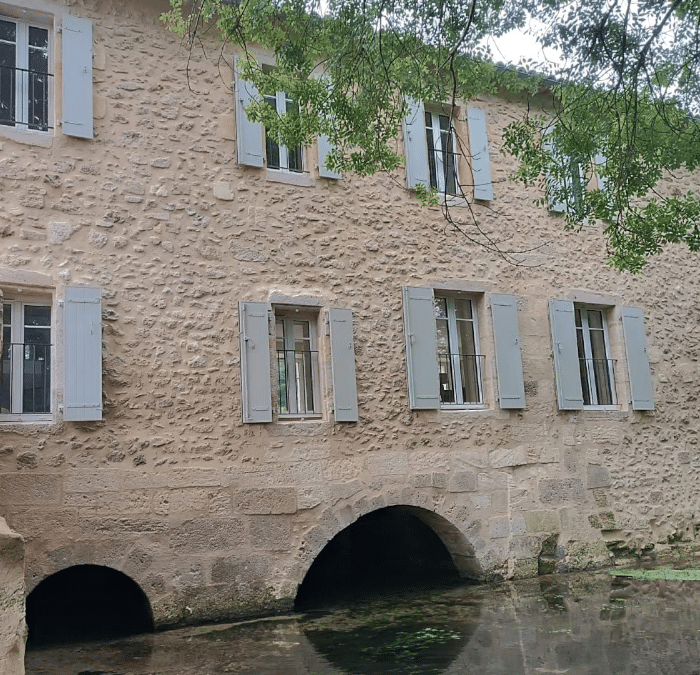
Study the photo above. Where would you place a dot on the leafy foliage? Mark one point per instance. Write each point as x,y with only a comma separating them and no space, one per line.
625,93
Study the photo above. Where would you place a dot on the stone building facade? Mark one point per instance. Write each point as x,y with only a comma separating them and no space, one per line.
218,279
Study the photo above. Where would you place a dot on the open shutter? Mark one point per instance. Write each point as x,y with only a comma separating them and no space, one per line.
641,388
343,365
564,347
324,147
479,150
77,77
255,362
599,160
421,348
415,145
82,391
509,364
552,183
249,135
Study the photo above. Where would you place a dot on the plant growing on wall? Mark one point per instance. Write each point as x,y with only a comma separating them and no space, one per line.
623,95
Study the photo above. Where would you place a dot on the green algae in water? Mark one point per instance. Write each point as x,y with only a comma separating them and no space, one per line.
658,574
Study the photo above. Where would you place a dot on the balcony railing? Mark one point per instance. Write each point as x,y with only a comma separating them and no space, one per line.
24,98
297,375
597,378
25,378
460,378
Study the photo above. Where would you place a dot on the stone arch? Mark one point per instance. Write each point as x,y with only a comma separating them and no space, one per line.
84,602
335,520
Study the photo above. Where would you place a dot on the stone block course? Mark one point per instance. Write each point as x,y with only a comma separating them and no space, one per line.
262,501
205,535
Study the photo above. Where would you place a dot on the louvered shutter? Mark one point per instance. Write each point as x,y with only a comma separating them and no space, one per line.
479,151
565,350
249,134
509,365
77,77
641,387
343,365
82,391
415,145
255,362
421,348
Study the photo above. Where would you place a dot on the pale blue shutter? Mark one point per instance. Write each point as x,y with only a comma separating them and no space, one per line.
255,362
324,147
421,348
343,365
599,160
249,135
479,150
415,145
552,182
641,388
82,391
509,364
566,360
77,77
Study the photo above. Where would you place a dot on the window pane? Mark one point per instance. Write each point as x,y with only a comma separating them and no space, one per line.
37,316
595,319
8,31
7,314
301,330
5,368
38,80
467,342
36,379
432,163
38,37
598,345
7,72
294,157
463,309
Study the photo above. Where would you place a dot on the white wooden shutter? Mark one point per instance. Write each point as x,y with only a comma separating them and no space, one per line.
249,135
479,151
421,348
509,364
343,365
324,147
255,362
565,350
415,146
641,387
82,390
77,77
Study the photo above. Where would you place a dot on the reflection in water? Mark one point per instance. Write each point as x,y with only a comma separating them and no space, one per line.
581,624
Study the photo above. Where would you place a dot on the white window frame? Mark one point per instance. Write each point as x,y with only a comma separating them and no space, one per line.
17,375
454,358
287,317
439,152
281,102
590,392
22,84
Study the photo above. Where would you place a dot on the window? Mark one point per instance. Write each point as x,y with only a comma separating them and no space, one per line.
459,361
441,152
593,353
25,369
297,365
280,156
443,358
24,75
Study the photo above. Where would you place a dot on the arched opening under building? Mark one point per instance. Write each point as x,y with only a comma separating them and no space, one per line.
86,602
393,550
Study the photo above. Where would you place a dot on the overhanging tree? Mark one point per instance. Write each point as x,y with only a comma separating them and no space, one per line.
624,97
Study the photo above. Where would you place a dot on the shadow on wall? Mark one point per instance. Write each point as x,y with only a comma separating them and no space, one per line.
86,602
392,550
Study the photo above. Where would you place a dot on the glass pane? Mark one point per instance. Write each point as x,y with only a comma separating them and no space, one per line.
440,308
447,387
301,330
470,378
5,369
272,152
463,309
8,31
304,382
7,314
38,93
294,157
450,172
595,319
38,37
443,336
36,379
35,315
7,80
432,163
577,317
467,341
37,336
598,345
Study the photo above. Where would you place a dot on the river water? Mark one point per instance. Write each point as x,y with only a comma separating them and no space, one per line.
578,624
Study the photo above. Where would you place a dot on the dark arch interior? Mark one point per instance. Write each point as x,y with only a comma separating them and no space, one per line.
385,552
86,602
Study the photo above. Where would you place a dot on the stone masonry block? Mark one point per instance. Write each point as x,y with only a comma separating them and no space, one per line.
266,501
598,476
502,457
420,480
238,567
270,533
203,535
30,488
542,521
469,458
559,490
388,463
499,527
463,481
439,480
93,480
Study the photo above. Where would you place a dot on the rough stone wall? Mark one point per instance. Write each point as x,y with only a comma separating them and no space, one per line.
12,625
215,518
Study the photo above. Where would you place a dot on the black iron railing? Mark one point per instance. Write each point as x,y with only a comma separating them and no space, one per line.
25,378
460,378
296,382
24,98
